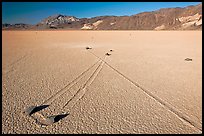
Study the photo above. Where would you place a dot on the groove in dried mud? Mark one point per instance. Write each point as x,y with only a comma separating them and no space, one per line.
172,109
40,119
43,121
63,90
81,92
10,66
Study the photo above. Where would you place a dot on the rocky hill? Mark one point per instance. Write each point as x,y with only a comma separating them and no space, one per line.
188,18
16,26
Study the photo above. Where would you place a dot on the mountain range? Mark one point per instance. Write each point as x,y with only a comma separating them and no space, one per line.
187,18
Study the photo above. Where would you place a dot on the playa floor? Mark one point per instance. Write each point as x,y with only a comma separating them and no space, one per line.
145,85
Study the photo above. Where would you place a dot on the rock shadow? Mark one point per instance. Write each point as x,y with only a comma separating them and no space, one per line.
56,118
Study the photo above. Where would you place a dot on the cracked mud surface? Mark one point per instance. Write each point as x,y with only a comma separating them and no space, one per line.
144,86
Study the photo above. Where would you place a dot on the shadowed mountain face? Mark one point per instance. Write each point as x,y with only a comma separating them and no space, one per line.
188,18
16,26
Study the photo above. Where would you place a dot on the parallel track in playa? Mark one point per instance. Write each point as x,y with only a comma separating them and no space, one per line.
10,66
68,86
168,106
81,92
41,120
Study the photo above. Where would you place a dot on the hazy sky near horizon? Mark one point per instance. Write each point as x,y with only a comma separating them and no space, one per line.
34,12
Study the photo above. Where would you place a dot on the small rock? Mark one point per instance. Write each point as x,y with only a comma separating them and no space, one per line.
108,54
188,59
88,48
29,110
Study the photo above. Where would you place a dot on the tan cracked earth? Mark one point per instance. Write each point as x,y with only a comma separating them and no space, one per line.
143,86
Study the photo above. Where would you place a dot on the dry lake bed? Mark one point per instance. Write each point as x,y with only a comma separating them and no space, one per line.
149,82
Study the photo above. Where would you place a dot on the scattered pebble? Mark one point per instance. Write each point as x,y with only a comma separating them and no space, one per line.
188,59
88,48
108,54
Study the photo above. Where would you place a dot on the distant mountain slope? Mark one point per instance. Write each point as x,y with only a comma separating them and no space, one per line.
16,26
188,18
